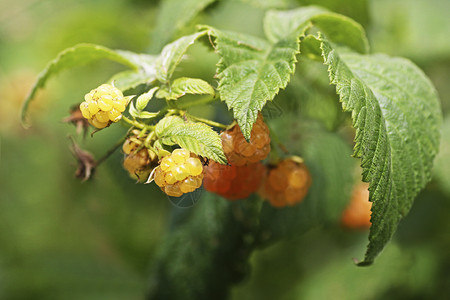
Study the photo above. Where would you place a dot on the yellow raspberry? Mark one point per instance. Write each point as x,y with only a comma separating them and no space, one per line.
179,173
104,105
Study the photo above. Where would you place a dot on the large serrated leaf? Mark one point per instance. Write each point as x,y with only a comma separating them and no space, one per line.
252,70
196,137
80,55
396,113
172,54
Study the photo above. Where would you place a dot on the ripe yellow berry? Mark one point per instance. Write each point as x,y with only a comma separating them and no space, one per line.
178,173
104,105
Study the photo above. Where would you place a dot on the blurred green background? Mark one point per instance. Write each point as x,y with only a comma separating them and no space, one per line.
64,239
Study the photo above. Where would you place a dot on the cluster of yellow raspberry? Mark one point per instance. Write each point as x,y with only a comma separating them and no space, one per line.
104,105
179,173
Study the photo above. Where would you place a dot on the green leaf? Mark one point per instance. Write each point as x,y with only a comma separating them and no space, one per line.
195,137
342,30
142,100
337,28
396,114
172,54
129,79
280,24
253,70
80,55
185,85
135,113
173,16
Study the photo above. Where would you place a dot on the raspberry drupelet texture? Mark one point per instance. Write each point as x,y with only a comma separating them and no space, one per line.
138,161
179,173
286,184
239,152
357,213
104,105
231,181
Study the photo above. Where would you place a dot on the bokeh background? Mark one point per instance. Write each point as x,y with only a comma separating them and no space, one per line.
65,239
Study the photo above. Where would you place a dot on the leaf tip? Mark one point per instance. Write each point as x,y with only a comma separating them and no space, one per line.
363,263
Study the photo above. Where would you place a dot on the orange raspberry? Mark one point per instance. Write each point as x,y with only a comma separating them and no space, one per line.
286,184
231,181
179,173
357,213
239,152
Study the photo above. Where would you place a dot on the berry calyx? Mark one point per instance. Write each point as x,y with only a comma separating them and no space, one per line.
287,183
357,214
179,173
240,152
104,105
231,181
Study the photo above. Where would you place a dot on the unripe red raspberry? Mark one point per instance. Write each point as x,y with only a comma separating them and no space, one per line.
357,213
239,152
138,161
231,181
286,184
179,173
104,105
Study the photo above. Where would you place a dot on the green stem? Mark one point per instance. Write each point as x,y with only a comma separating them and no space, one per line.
138,124
208,122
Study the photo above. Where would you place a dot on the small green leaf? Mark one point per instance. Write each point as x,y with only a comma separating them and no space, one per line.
142,100
172,54
139,113
129,79
173,16
80,55
198,138
185,85
279,24
396,114
337,28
